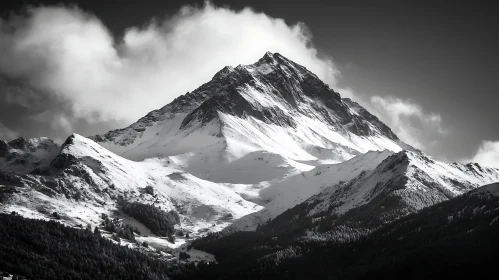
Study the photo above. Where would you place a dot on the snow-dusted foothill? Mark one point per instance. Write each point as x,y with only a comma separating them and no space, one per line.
86,180
282,195
403,183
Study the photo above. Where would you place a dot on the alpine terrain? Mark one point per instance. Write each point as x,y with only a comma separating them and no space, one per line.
261,167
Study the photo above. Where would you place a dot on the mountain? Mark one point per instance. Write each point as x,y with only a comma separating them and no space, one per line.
85,181
206,156
401,184
388,184
274,106
281,195
266,148
456,238
352,199
26,155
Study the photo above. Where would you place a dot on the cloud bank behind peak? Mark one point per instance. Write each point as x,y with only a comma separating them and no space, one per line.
71,55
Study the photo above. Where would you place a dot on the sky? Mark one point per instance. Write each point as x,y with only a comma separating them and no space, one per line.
427,69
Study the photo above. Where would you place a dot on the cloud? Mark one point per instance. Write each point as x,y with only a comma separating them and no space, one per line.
71,55
347,92
56,121
19,95
6,133
408,120
487,154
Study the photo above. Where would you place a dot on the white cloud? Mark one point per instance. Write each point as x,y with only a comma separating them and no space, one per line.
487,154
408,120
72,55
6,133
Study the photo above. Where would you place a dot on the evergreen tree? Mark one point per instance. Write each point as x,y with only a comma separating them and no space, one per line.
97,232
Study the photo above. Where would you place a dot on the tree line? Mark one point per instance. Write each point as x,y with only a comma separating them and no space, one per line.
39,249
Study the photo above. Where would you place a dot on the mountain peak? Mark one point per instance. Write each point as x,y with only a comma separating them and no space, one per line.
223,73
267,58
265,65
78,140
247,104
19,143
275,59
69,141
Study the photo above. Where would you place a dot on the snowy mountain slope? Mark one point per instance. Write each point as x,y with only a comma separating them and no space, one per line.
403,183
85,180
418,180
207,155
256,167
293,190
273,106
26,155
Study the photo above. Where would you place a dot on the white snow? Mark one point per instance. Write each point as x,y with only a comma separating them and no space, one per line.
207,150
428,182
201,203
293,190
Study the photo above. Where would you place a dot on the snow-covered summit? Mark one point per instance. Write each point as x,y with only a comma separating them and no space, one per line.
273,105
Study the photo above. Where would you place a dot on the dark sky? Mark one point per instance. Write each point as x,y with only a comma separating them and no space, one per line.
441,55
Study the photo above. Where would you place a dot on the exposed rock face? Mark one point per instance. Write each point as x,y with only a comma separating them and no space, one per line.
4,148
19,143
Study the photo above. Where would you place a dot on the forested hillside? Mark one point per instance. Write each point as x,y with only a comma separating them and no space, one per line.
39,249
454,239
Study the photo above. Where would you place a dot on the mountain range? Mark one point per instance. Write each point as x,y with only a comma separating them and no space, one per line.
265,151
